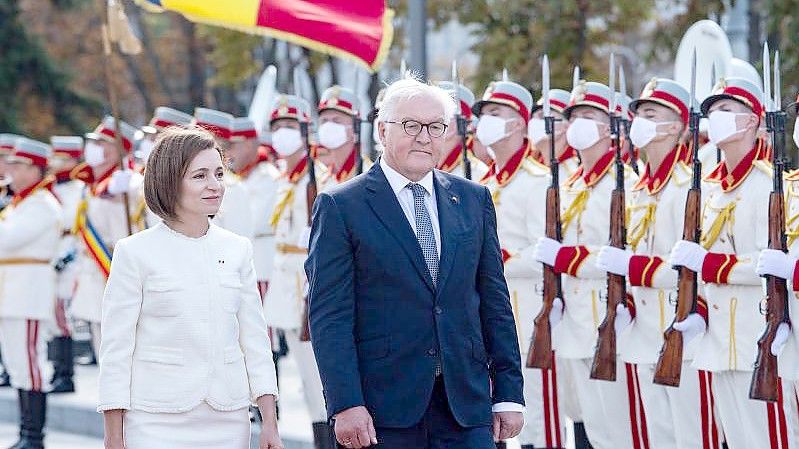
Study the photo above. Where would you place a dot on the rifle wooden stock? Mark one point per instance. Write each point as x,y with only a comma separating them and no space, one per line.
765,377
604,364
669,365
539,355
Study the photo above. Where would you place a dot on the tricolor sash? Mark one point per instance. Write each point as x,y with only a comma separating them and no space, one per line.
91,238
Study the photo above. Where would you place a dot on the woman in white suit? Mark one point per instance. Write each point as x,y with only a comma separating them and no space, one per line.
184,347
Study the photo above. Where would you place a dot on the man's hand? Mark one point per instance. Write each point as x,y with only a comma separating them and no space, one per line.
507,425
355,429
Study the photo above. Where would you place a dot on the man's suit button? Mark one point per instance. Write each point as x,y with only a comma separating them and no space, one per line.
437,310
431,351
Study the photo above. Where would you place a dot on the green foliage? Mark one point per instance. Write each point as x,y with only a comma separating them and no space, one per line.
231,55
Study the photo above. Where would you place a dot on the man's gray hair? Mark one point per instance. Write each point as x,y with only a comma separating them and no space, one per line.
409,88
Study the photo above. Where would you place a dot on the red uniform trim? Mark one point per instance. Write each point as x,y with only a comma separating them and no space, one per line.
642,270
716,267
570,258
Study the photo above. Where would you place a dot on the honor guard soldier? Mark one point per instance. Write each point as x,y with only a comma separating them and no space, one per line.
656,207
735,225
102,216
163,118
518,185
338,111
285,300
567,156
67,152
452,156
30,230
585,226
6,148
259,178
234,214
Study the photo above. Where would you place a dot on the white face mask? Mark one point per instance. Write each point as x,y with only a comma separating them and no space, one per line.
722,126
286,141
145,148
796,132
536,130
583,133
491,129
332,135
93,154
643,131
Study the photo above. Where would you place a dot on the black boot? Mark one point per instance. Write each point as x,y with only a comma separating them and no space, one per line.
528,446
34,434
323,436
24,418
502,445
63,365
580,437
5,379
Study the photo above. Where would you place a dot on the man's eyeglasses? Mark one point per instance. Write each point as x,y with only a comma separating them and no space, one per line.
414,128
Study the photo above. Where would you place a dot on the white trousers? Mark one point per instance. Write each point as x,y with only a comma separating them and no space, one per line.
543,427
24,348
680,417
752,424
302,352
613,412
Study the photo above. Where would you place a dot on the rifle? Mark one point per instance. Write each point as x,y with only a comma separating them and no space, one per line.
356,126
461,122
604,363
310,197
539,355
765,377
669,365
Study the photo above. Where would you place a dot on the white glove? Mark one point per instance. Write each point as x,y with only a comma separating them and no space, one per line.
556,314
690,327
304,241
120,182
546,250
614,260
775,263
780,338
687,254
623,318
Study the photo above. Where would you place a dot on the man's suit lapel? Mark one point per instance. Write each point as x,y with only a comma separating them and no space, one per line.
384,203
450,223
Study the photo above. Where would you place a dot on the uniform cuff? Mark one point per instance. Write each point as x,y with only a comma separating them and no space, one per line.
716,267
570,258
642,270
500,407
796,276
701,308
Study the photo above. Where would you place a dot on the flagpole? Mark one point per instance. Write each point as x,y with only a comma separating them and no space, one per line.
112,97
417,34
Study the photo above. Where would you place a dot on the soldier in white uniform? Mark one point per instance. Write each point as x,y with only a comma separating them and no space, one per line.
6,147
338,110
285,300
452,156
30,230
656,207
67,151
611,411
518,186
101,217
234,214
539,139
735,230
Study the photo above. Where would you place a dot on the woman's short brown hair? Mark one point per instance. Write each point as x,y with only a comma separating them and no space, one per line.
173,151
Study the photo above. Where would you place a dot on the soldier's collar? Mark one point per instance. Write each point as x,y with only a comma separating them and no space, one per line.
731,179
506,173
568,153
45,183
346,170
298,171
596,173
654,183
452,160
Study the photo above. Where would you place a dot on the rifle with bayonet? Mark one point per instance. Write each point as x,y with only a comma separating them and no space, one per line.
668,369
604,363
539,354
765,377
461,122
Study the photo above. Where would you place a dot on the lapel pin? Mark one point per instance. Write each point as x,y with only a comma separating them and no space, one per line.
454,199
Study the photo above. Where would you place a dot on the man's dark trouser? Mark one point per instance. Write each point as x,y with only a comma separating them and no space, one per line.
437,429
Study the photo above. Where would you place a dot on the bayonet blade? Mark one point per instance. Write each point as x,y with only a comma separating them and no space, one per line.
545,85
767,77
623,92
612,83
713,79
692,105
456,88
777,81
504,74
576,77
403,69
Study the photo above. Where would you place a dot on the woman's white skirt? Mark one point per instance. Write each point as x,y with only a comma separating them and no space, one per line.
199,428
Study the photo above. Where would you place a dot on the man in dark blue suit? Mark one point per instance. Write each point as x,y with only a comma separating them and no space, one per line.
409,312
